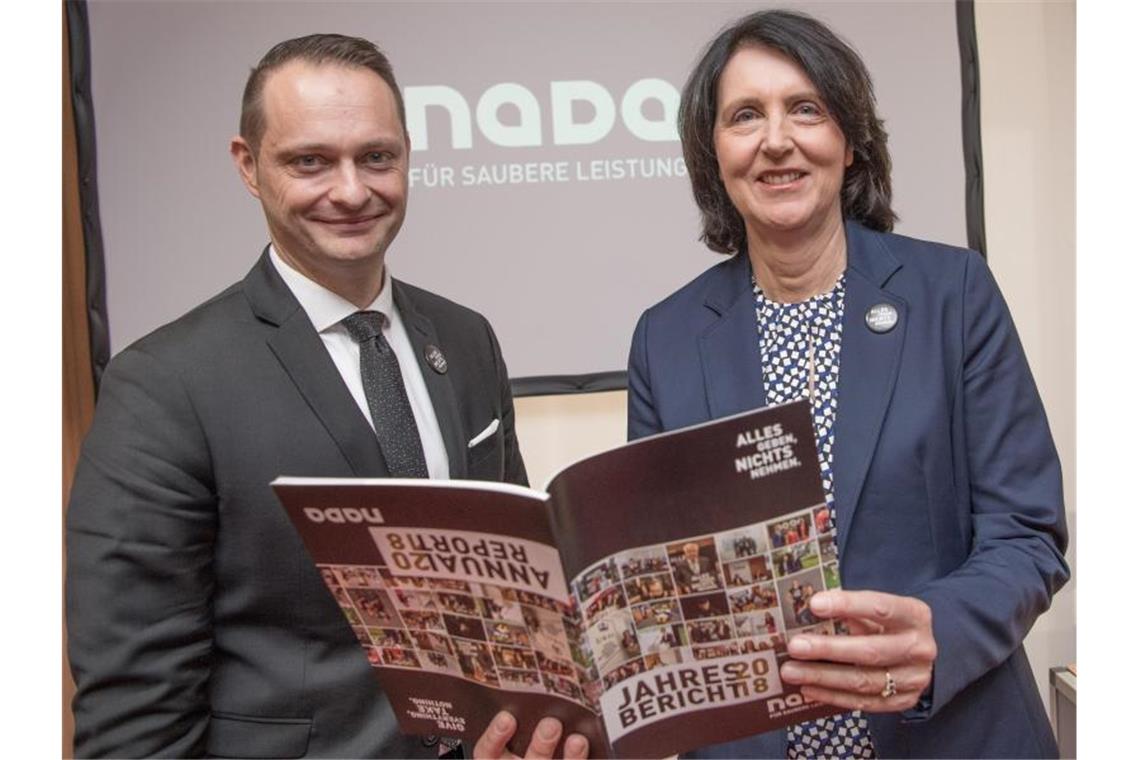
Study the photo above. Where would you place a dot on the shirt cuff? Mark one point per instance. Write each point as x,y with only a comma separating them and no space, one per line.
924,707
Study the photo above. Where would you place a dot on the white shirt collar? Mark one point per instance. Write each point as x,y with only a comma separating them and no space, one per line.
325,308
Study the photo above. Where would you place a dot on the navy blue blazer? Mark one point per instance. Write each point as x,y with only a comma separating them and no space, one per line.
947,483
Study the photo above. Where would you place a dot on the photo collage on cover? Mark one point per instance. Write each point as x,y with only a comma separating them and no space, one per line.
730,593
482,632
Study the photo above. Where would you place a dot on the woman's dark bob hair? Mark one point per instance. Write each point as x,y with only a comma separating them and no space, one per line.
837,72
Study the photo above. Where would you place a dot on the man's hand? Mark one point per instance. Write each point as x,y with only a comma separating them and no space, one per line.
889,635
492,745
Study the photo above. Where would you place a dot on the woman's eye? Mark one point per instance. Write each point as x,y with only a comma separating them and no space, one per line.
807,109
743,115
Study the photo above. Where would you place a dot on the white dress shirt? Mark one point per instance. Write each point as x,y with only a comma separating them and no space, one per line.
325,310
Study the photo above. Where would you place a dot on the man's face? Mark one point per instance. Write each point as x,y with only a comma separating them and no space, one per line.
691,551
331,170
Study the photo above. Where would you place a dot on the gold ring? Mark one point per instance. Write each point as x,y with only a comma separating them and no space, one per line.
889,690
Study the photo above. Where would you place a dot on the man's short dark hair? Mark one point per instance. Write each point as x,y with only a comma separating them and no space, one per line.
316,49
844,84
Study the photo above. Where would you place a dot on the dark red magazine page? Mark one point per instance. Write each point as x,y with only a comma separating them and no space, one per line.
647,602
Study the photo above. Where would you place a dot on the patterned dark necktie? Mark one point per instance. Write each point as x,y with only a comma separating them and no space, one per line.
387,400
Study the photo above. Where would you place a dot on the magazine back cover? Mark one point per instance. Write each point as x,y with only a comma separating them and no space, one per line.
457,596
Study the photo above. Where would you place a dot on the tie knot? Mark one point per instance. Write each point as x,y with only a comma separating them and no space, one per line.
364,325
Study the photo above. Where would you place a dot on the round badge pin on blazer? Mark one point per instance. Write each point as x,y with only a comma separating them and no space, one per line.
881,318
435,358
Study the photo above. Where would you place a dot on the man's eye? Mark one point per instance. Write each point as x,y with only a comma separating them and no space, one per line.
377,157
307,162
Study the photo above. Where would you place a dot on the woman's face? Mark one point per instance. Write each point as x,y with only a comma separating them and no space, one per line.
781,154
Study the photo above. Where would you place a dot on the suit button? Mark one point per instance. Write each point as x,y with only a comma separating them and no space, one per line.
431,741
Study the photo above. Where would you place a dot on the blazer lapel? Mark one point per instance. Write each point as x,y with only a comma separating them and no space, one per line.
868,368
421,333
729,347
298,347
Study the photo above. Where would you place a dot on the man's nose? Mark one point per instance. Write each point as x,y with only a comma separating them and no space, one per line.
348,189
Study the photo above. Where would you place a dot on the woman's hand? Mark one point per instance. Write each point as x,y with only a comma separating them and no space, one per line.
492,745
883,666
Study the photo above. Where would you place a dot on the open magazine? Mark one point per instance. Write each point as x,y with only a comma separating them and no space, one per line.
645,599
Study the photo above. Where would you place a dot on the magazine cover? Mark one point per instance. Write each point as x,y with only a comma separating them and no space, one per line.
645,599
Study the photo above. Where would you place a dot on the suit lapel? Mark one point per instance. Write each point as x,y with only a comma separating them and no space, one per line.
304,358
421,333
730,353
868,368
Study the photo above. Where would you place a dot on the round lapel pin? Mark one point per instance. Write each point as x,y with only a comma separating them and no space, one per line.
435,358
881,318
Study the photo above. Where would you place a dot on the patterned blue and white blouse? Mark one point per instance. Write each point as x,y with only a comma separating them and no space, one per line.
799,351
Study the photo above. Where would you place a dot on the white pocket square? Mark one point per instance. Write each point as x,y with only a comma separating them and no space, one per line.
487,433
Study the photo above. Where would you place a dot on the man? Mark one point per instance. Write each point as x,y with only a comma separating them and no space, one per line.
694,570
197,623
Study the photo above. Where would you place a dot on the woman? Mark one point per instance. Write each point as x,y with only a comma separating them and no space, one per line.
939,469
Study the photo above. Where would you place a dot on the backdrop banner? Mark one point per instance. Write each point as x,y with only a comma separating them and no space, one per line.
547,185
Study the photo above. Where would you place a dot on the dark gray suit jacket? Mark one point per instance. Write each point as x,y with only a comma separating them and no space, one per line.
197,623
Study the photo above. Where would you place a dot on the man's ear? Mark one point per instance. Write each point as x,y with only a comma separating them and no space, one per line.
246,163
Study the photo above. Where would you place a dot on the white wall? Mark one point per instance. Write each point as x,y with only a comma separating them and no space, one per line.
1026,54
557,430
